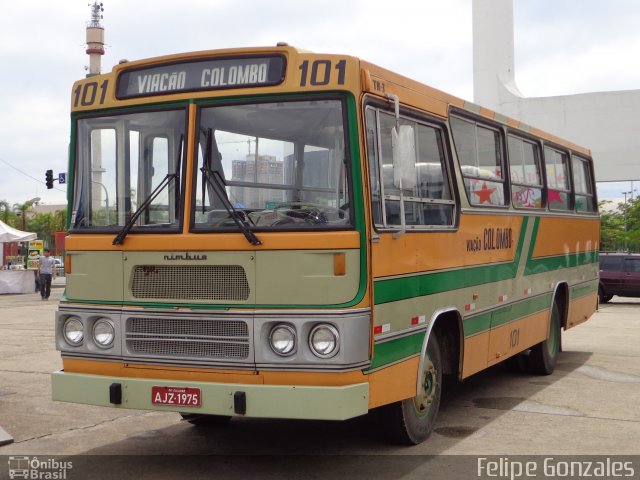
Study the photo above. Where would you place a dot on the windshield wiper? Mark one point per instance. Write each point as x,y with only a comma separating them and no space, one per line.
217,183
147,201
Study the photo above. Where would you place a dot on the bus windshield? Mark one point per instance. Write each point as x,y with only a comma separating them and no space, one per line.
279,165
126,163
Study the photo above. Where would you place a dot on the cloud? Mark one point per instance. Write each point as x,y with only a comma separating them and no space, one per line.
561,47
576,46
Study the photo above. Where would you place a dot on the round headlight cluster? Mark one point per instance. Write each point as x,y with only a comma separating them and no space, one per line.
283,339
324,340
73,331
103,333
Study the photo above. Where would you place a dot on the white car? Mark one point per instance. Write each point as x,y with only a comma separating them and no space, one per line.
59,266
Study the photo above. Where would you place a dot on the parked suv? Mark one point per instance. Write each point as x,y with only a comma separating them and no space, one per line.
619,275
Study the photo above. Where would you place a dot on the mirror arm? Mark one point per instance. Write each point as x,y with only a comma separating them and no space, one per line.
396,104
403,225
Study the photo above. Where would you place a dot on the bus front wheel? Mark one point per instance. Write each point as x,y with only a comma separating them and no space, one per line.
411,421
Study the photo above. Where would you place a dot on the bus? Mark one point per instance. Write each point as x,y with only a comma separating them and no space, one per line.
269,232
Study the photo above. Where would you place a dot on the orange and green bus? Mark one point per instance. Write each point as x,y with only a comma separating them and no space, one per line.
269,232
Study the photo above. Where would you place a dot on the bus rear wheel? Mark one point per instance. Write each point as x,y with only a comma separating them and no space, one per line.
411,421
602,296
544,355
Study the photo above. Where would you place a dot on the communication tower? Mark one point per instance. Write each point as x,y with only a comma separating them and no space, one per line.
95,39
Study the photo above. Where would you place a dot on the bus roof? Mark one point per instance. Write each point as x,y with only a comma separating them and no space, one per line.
374,80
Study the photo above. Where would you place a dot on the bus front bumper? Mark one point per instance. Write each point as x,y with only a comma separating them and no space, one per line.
267,401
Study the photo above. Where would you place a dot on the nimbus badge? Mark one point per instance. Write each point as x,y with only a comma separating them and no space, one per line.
185,256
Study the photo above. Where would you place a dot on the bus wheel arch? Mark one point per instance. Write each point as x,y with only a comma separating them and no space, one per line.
411,421
561,297
447,326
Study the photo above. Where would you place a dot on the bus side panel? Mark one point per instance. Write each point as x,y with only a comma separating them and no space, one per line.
394,383
511,338
583,306
565,242
475,354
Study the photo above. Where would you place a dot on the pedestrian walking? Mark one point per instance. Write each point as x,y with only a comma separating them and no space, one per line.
47,272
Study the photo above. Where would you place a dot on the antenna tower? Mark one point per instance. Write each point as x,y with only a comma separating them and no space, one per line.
95,39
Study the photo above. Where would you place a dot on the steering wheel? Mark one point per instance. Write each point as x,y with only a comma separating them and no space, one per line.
309,213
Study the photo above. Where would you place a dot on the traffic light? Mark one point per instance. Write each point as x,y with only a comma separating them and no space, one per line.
49,178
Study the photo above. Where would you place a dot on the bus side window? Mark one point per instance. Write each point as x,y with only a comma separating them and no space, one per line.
583,184
558,181
526,177
428,202
480,156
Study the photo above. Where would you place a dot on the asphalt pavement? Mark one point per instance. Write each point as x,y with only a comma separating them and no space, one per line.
589,406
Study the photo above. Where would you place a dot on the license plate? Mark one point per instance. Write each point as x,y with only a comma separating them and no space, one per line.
179,396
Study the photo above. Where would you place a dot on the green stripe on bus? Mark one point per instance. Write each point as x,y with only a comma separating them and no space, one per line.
549,264
403,288
478,324
584,289
505,314
397,349
556,262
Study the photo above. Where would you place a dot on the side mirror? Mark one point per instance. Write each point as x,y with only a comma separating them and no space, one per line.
403,147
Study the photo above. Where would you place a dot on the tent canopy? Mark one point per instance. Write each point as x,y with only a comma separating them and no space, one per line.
10,234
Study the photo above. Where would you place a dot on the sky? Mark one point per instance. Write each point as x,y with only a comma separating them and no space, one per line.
561,47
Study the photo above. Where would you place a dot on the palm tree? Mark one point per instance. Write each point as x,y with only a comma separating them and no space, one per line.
4,205
23,208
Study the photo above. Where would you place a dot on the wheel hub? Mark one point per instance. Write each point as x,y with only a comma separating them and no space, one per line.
428,388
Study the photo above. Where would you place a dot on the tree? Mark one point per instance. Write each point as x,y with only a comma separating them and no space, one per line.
620,227
43,224
21,210
6,211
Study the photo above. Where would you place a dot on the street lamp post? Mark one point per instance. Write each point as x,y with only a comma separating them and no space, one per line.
626,248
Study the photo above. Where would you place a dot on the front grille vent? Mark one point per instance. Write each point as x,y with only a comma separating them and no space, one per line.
190,282
191,338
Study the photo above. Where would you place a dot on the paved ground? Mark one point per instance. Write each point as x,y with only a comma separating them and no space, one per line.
588,406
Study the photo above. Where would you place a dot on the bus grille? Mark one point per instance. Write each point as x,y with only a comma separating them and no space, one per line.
218,339
190,282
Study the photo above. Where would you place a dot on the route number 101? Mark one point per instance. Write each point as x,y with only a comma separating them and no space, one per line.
320,72
87,94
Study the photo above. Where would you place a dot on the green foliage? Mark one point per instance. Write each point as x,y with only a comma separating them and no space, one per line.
22,217
620,226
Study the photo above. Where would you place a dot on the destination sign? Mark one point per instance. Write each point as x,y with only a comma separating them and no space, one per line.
207,74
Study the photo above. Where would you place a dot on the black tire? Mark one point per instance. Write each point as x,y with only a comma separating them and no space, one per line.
544,355
411,421
518,364
201,420
603,297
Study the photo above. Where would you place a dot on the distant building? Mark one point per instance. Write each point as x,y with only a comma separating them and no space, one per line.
267,170
47,208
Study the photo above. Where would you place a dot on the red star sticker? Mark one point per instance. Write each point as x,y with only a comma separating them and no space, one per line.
554,196
484,194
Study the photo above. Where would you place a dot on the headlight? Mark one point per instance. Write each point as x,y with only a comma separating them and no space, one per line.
323,340
283,339
73,331
103,333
